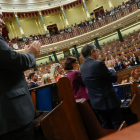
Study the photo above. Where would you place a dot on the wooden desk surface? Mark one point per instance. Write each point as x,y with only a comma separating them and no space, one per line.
130,133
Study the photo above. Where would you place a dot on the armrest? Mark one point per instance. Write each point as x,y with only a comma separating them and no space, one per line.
122,126
36,122
110,131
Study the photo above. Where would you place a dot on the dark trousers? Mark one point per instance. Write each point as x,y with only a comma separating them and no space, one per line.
110,119
24,133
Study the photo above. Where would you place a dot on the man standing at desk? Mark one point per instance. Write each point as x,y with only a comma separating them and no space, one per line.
16,107
98,80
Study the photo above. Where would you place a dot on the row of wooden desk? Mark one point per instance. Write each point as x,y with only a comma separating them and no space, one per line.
126,73
71,120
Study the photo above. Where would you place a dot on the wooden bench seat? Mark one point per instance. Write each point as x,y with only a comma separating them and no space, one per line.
91,123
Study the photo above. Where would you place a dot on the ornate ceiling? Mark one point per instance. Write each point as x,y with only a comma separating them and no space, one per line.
25,2
15,5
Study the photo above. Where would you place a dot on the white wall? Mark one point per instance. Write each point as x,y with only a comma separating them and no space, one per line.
29,26
118,2
75,15
94,4
53,19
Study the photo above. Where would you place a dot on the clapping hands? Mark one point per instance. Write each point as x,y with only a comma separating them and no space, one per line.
134,74
33,48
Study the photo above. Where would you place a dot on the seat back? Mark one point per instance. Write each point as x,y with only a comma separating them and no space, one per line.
91,123
64,121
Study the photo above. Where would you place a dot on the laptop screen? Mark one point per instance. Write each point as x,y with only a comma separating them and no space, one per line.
123,91
120,92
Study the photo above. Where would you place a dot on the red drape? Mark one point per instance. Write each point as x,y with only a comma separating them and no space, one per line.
98,12
54,26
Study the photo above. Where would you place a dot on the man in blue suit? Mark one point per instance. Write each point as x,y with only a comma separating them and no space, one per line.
98,80
34,77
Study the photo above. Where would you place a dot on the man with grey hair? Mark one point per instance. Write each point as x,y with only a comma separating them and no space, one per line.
16,107
98,80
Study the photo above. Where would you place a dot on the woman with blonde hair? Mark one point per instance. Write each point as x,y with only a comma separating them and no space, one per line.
46,79
56,72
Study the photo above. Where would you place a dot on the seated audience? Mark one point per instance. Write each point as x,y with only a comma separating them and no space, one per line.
135,60
33,77
45,79
131,79
112,11
73,28
126,63
28,83
79,89
136,48
124,58
124,81
76,26
134,74
123,6
118,65
56,72
39,81
107,13
111,57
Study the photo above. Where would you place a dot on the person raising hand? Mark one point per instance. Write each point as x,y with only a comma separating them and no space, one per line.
134,74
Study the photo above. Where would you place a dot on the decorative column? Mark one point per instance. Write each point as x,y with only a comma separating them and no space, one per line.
35,68
67,23
120,35
110,3
50,58
62,21
73,52
36,21
10,27
21,30
45,28
77,54
88,16
55,57
97,43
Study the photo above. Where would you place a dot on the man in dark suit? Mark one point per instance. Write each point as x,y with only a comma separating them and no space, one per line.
98,80
16,107
34,77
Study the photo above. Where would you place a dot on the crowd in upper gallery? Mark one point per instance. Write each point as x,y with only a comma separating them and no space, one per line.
124,55
82,24
119,55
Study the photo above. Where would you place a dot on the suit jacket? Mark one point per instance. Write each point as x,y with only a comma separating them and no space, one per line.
137,60
98,80
33,85
16,106
119,66
79,89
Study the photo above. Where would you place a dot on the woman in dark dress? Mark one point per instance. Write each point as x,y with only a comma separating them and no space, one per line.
79,89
